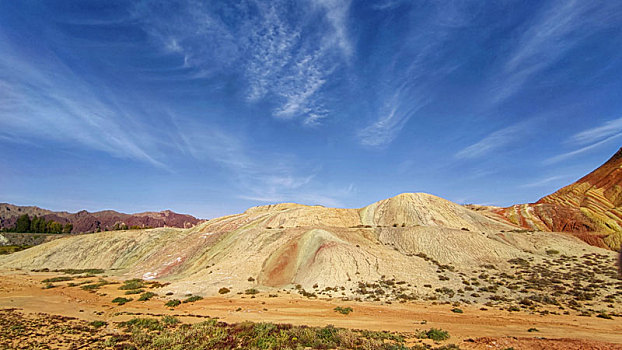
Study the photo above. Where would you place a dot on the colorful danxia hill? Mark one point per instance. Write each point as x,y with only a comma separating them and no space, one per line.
591,208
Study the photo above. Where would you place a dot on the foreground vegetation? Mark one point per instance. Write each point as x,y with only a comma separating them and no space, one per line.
9,249
169,332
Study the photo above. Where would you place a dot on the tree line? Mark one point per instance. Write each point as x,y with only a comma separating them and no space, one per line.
38,225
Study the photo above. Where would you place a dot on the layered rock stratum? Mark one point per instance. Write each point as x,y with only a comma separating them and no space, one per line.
593,204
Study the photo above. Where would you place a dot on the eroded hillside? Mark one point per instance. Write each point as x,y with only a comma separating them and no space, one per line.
412,246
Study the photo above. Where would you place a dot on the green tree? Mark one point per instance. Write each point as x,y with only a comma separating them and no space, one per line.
23,223
42,227
34,224
54,227
68,227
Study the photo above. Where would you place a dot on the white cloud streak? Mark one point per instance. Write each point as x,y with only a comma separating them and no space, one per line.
557,29
543,182
43,99
266,177
593,137
280,60
410,87
608,129
492,142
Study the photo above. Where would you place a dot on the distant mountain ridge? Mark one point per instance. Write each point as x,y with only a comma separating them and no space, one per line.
84,221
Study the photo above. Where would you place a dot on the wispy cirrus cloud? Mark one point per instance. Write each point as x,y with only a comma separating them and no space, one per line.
284,62
43,99
590,139
556,29
608,129
394,114
544,182
258,175
415,68
492,142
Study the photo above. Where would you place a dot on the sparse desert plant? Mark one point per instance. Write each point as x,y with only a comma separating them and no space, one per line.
170,320
173,303
530,330
121,300
457,310
135,283
134,291
192,299
605,315
552,252
57,279
434,334
251,291
223,290
81,271
146,296
94,286
143,323
98,324
343,310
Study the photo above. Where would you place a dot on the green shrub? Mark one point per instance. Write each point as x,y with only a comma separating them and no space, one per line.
143,323
457,310
192,299
173,303
251,291
170,320
552,251
134,291
135,283
121,301
81,271
98,324
434,334
95,286
533,330
146,296
343,310
223,290
605,315
57,279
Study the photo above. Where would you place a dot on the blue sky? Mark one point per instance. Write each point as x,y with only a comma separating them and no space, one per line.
210,107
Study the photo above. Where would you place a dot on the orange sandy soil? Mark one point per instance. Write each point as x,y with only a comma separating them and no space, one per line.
474,329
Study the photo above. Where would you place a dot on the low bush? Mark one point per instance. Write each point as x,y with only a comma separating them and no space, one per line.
121,300
143,323
223,290
173,303
81,271
134,291
170,320
343,310
146,296
434,334
192,299
57,279
98,324
135,283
